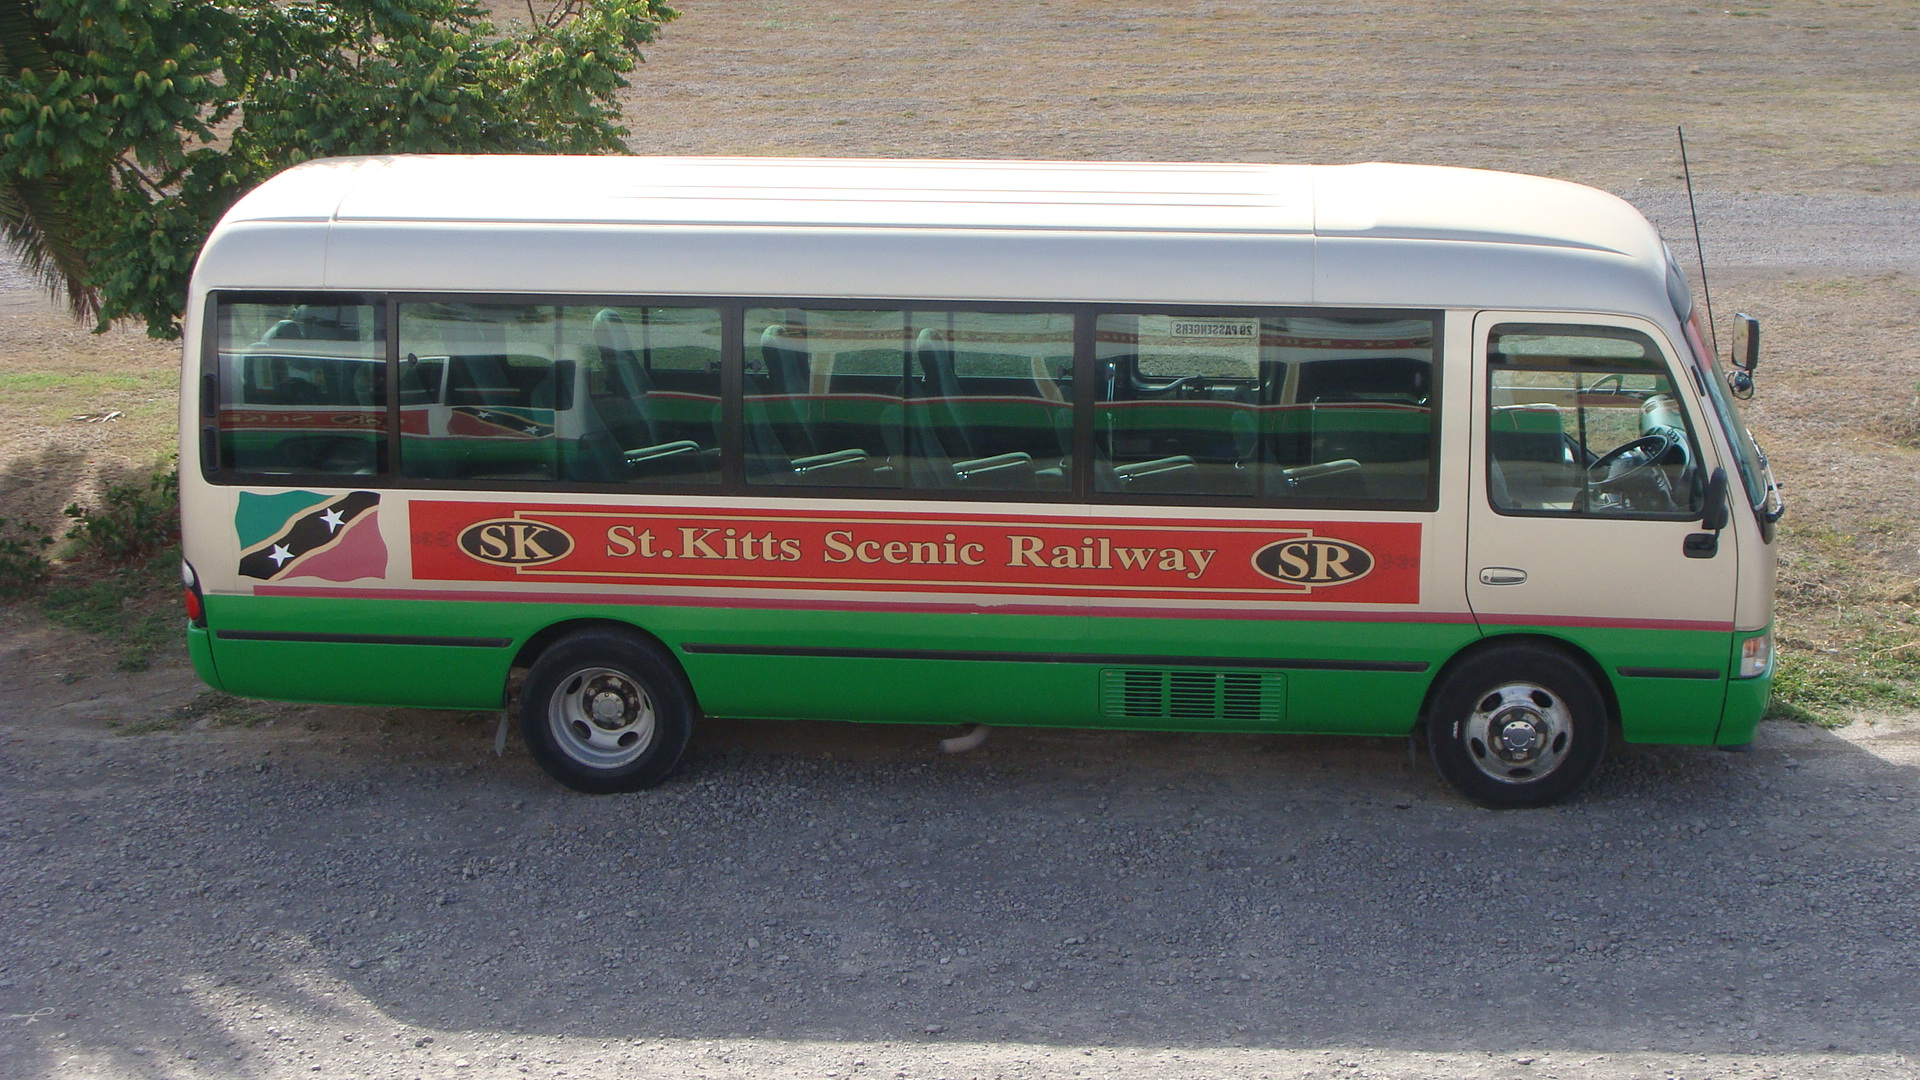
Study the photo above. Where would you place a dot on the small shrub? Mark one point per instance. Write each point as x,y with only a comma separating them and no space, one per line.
136,518
132,607
23,557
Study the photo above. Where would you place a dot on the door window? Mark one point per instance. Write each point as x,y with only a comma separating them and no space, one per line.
1586,421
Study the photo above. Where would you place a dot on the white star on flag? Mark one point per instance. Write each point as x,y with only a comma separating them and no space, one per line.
333,519
279,555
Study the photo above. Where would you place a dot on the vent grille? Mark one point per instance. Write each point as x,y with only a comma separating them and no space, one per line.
1183,694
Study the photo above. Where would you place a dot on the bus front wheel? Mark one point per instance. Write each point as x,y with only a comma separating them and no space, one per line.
603,711
1517,726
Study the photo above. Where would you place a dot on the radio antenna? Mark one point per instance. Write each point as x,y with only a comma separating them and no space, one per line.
1694,212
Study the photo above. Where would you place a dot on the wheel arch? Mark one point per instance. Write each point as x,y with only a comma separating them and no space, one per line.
1499,642
543,639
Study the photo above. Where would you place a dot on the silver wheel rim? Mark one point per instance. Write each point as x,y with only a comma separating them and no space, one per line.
601,718
1518,732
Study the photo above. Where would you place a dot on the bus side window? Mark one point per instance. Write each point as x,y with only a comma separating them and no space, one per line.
1374,411
303,388
985,410
824,393
1292,409
1585,421
648,408
547,392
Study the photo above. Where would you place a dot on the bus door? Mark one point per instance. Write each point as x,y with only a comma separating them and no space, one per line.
1589,475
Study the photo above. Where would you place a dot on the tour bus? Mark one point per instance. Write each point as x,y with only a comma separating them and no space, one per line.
621,443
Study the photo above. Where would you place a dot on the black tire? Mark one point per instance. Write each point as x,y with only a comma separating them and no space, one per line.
602,711
1517,726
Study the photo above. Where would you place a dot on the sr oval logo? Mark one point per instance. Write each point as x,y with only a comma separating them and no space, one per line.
1313,561
512,542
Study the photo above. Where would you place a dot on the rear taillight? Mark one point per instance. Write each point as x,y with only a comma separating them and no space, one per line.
190,596
1756,656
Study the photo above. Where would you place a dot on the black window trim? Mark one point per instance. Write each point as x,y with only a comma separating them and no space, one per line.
732,484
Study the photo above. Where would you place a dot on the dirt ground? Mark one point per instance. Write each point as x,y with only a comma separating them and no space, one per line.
200,888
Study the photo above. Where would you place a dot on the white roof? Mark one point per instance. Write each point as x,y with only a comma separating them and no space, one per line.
1399,235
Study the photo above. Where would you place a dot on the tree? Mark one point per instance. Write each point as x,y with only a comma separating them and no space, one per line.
33,216
127,127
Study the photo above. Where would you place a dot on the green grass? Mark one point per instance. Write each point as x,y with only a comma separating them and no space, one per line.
75,382
1879,670
147,402
134,609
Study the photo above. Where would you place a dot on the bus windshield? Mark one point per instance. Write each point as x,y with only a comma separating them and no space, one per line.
1747,456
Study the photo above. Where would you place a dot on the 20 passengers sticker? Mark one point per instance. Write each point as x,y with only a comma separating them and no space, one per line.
1352,562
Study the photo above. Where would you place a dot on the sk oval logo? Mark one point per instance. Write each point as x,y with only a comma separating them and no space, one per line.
512,542
1313,561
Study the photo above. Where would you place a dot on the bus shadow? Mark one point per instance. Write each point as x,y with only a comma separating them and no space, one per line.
848,884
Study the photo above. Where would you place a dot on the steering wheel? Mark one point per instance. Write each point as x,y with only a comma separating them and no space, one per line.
1639,456
1627,477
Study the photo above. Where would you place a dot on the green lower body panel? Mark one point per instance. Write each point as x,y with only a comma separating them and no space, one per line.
360,652
1671,685
1277,675
1013,670
366,674
1746,704
890,690
200,651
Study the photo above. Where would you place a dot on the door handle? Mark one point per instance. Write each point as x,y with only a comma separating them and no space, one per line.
1503,575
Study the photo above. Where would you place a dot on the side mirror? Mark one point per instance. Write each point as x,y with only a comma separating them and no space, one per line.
1746,342
1713,516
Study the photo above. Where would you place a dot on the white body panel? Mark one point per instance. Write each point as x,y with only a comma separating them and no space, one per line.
1357,236
1362,235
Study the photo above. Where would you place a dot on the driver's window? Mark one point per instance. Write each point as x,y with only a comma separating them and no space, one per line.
1584,420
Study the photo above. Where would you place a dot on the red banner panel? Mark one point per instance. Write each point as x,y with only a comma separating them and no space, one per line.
1349,562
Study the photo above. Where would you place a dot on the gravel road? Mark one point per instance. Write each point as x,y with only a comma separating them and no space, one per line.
373,893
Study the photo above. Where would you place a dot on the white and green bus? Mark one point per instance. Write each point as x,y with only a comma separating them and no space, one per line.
621,443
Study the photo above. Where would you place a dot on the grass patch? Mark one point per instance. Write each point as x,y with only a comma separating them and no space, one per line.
120,581
1846,627
144,399
72,382
134,608
1817,685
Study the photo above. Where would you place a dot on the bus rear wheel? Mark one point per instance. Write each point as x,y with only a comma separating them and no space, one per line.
1519,726
603,711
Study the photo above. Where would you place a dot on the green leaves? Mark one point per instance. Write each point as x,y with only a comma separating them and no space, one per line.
147,119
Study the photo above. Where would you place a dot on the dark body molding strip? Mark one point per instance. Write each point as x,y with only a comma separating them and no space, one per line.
362,639
1670,673
1059,658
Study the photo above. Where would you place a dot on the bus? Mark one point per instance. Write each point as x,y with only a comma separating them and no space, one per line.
620,443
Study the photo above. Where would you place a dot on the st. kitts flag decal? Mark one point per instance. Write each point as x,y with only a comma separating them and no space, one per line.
307,534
